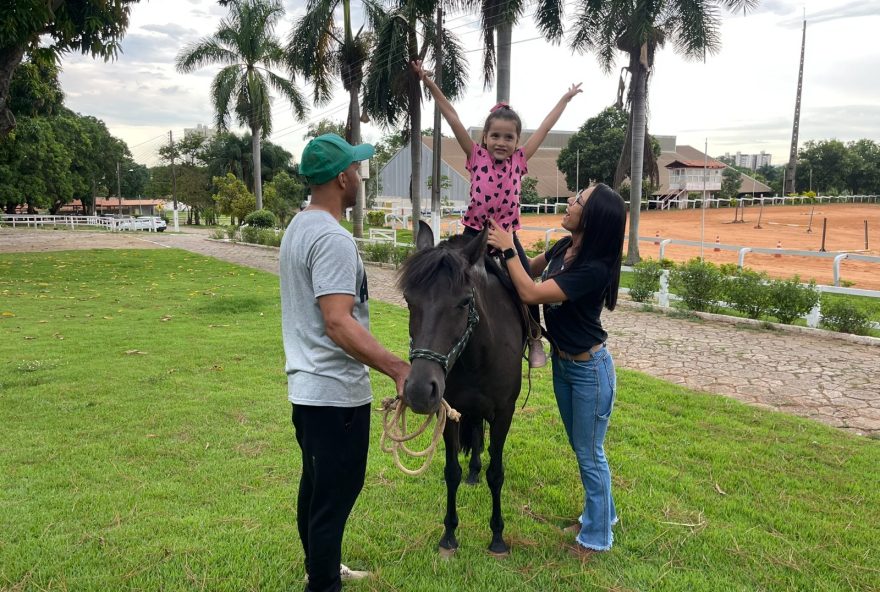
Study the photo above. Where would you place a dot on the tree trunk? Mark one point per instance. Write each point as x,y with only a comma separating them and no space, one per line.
637,156
258,167
415,147
502,69
354,119
10,58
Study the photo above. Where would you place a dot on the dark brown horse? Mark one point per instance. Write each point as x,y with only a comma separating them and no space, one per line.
466,344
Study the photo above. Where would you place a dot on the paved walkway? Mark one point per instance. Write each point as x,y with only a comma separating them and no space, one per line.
810,374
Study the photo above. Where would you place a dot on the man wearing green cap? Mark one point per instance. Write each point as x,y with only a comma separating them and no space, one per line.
328,345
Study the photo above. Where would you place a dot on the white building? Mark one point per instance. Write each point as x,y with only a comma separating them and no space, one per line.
199,130
751,161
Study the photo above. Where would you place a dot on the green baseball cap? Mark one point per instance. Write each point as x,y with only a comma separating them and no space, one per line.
328,155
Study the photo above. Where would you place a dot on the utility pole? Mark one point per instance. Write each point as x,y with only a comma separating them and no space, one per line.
118,188
173,180
435,173
792,156
577,173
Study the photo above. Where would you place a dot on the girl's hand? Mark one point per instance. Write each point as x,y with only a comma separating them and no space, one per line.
419,71
574,90
498,238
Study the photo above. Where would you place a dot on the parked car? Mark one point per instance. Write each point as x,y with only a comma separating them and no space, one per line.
142,223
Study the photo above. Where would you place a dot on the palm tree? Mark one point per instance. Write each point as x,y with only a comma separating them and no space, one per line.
393,91
319,49
497,17
246,44
639,28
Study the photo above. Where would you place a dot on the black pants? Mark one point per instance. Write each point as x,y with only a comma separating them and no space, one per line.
534,311
334,443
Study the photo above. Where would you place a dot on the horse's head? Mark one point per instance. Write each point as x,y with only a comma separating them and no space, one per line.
440,286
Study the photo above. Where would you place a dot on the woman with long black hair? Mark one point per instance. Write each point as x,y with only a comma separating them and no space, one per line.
580,275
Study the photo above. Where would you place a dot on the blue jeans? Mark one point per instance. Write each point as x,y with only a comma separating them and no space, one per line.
585,395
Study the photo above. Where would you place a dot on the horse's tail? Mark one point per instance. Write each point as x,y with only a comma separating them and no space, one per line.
471,432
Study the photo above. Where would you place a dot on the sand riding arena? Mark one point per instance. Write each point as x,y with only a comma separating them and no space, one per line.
780,225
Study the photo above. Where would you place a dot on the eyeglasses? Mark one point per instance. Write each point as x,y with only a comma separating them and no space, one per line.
577,200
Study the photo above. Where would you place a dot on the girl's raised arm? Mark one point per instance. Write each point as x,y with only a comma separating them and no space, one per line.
535,141
446,109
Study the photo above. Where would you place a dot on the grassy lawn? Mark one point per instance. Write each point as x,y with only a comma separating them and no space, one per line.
147,446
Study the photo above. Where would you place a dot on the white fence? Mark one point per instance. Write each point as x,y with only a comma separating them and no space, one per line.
773,200
73,222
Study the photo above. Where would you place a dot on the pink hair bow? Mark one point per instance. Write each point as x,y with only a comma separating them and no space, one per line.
499,106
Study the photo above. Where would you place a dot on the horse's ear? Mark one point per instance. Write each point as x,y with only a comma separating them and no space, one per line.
475,250
425,238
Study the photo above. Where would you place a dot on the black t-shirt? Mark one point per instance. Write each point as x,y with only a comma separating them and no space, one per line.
574,325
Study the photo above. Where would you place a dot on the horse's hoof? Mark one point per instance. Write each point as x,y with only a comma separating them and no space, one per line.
446,553
473,479
499,550
499,554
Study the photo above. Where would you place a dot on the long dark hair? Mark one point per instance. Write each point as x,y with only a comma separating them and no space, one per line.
602,227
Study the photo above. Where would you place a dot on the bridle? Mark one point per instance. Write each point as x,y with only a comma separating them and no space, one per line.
449,359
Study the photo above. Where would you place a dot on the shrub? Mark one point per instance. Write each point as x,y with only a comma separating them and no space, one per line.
399,254
218,233
729,269
376,218
749,292
231,231
261,219
699,284
843,317
269,237
646,280
790,299
379,252
667,263
250,234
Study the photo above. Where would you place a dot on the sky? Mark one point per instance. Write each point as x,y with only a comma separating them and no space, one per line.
741,99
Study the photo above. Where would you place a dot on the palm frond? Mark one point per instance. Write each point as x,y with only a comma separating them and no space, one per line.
310,48
203,53
385,89
454,66
288,89
225,84
696,30
549,16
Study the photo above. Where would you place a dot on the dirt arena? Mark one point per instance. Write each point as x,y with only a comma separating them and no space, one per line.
788,224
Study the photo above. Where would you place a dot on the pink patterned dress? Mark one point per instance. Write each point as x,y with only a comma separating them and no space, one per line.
495,189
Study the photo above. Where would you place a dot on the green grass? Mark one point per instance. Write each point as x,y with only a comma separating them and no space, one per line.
147,446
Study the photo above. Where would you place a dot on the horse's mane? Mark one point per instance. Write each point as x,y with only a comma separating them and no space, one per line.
444,263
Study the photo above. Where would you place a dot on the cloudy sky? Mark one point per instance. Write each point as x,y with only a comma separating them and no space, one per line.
741,99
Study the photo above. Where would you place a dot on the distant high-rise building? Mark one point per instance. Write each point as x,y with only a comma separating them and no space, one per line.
200,130
751,161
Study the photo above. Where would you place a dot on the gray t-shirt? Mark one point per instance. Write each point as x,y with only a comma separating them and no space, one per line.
319,257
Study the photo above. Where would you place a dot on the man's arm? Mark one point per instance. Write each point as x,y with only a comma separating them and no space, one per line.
356,341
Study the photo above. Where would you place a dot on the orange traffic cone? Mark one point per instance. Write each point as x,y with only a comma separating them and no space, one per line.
778,246
657,236
717,244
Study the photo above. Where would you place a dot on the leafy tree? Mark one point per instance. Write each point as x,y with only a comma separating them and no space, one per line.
34,167
194,189
246,44
93,27
393,92
529,191
325,126
829,161
599,141
730,182
35,89
863,174
284,195
233,198
638,28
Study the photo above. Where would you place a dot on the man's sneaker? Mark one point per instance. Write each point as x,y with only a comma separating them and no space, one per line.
347,573
352,574
537,357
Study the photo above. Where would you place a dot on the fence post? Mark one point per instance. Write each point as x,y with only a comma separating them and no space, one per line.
837,261
663,244
663,294
742,255
814,316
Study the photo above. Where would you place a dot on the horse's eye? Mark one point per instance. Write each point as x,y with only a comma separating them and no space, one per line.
465,303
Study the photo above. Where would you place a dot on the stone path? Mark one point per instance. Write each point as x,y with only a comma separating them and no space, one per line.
811,374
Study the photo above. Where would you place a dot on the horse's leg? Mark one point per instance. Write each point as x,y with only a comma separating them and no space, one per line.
452,474
475,465
495,478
